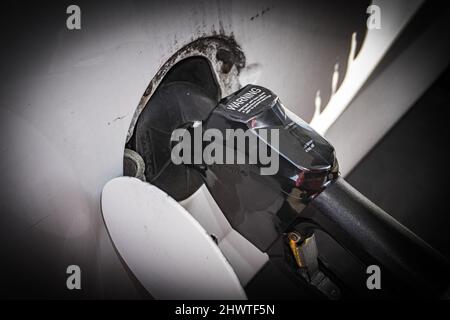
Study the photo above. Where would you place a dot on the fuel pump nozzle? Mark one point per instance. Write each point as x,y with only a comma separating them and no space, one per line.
303,192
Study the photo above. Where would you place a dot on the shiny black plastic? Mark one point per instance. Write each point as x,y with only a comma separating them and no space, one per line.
259,206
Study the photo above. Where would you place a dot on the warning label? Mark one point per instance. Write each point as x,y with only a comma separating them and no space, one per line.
248,100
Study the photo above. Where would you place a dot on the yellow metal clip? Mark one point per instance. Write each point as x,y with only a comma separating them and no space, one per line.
294,239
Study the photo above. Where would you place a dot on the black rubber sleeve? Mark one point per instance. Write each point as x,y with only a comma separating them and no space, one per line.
373,235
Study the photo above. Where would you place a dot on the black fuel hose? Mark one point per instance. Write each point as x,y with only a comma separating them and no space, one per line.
377,238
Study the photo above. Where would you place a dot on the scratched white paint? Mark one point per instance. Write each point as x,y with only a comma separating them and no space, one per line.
389,94
395,15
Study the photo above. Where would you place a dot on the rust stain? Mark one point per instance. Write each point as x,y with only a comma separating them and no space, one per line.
261,13
223,53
